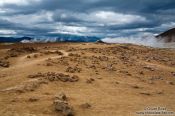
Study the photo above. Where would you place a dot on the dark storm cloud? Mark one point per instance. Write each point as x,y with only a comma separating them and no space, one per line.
5,24
90,17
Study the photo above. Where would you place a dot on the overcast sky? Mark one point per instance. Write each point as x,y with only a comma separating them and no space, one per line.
113,18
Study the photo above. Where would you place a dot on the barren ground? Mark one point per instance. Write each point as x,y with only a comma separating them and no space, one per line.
97,79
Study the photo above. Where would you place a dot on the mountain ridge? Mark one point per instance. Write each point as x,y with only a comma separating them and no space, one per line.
58,38
167,36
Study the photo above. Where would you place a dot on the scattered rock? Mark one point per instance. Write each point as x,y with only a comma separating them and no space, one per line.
36,75
61,96
173,73
49,64
92,66
125,72
73,69
141,72
61,105
149,68
33,99
14,52
85,106
4,63
67,78
90,80
31,86
64,108
155,78
73,55
14,100
99,78
59,53
74,78
145,93
110,67
49,59
52,76
28,56
35,55
117,83
135,86
6,57
53,52
3,75
170,82
159,92
27,86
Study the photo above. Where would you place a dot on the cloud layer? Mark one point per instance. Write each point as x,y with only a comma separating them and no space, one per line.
103,18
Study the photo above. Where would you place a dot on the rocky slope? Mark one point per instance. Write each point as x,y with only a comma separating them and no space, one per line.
167,36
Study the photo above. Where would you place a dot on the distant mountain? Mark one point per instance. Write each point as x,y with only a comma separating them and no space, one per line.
76,38
63,38
58,38
167,36
13,39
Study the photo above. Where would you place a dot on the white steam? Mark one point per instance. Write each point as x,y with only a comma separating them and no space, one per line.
41,40
145,39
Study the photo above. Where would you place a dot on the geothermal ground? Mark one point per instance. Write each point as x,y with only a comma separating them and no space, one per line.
85,79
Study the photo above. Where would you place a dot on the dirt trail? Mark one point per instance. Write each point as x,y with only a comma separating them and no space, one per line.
23,63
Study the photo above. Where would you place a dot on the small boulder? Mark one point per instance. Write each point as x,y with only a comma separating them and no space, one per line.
62,106
85,106
170,82
61,96
90,80
173,73
4,64
33,99
135,86
74,78
35,55
28,56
